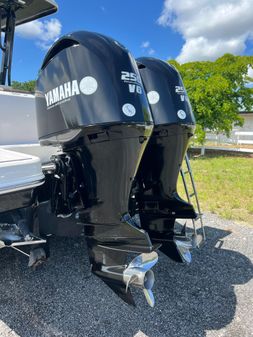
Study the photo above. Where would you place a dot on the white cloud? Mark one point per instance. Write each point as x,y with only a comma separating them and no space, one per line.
147,47
151,51
210,28
43,32
145,44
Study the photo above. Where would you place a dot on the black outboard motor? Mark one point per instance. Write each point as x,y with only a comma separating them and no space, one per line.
156,183
90,101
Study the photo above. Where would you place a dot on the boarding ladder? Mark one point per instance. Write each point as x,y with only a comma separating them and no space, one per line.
190,196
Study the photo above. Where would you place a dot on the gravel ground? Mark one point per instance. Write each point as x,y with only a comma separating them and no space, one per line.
211,297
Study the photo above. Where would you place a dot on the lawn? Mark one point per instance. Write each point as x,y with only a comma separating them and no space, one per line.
225,186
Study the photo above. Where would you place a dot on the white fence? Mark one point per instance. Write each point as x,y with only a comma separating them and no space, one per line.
239,136
244,137
236,138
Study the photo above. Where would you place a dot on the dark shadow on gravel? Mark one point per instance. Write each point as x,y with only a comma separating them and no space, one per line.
63,299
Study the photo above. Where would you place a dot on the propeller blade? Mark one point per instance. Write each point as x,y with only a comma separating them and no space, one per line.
149,297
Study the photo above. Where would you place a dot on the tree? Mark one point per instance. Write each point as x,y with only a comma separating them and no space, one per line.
26,86
218,92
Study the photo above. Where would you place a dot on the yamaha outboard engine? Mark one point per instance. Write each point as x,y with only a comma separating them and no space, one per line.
90,101
156,185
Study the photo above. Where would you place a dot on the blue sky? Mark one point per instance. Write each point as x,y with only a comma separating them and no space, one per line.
161,28
131,22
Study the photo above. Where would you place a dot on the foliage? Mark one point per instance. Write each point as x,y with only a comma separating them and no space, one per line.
218,91
26,86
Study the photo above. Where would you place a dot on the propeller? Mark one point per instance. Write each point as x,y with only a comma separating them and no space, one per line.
139,274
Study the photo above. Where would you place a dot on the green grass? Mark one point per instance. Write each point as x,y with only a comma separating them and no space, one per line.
225,186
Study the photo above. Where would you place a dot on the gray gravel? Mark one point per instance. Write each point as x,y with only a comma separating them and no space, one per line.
211,297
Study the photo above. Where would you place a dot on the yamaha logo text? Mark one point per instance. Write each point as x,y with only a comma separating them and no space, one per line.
63,93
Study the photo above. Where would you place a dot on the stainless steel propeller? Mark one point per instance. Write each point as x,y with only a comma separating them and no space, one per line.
139,274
